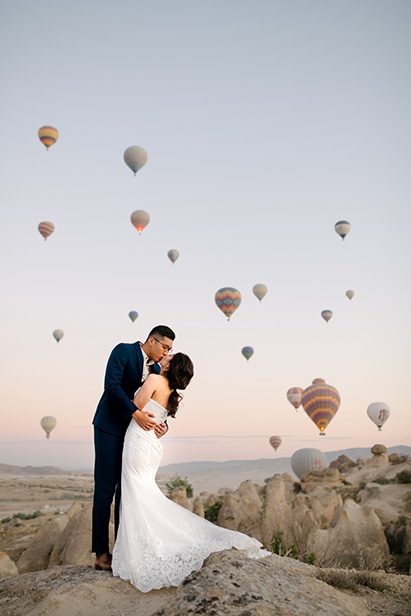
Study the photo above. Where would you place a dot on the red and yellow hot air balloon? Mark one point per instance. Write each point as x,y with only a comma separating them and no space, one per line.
275,441
46,229
228,300
294,396
48,135
320,402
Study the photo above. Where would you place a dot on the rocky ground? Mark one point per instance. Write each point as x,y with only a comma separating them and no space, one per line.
229,584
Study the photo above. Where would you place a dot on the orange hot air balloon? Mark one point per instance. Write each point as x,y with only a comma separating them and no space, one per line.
140,219
321,402
48,135
228,300
275,441
46,229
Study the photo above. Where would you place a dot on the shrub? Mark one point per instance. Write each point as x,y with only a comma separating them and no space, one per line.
211,513
180,481
403,477
278,546
383,481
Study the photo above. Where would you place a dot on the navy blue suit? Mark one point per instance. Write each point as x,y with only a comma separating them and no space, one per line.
123,378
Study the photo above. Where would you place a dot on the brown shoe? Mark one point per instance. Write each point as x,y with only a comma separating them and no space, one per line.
104,562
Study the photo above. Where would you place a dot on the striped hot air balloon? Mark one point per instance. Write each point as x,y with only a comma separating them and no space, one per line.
260,290
48,424
342,227
294,396
320,402
248,352
275,441
46,229
228,300
48,135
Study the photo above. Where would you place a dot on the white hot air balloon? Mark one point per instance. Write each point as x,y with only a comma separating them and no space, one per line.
173,255
327,315
350,294
304,460
140,219
342,227
135,157
378,412
58,334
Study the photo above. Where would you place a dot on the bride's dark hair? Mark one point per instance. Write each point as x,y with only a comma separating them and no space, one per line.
179,375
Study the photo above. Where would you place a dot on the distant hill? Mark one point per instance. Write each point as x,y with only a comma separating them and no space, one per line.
209,476
10,469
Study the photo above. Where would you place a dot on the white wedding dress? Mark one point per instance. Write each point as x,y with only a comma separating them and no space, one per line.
159,542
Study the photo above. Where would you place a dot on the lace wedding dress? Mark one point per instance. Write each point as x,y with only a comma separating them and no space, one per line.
158,542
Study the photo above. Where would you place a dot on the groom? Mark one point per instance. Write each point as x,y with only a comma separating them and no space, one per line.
128,366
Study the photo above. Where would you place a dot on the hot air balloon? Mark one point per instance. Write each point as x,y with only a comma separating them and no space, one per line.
48,135
378,412
275,441
173,255
140,219
294,396
350,294
46,229
259,290
248,352
228,300
327,315
320,402
133,314
48,424
58,334
135,157
342,227
304,460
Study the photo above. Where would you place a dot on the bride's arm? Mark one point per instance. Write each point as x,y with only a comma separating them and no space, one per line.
140,400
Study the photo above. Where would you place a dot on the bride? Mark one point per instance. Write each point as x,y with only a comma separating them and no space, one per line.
159,542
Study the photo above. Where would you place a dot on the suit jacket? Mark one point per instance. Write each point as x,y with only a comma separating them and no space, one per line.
123,378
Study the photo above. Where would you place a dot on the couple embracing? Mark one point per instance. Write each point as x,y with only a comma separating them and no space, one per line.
158,543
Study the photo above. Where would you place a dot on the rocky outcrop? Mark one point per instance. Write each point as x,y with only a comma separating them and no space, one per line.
7,566
356,540
179,496
37,555
228,584
379,459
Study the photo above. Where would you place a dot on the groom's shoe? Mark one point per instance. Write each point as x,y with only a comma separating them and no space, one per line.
103,563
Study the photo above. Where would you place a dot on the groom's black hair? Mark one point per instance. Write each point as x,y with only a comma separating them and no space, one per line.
163,331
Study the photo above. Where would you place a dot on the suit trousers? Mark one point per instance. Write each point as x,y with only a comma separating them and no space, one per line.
107,483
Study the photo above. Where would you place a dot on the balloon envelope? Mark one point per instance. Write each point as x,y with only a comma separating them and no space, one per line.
248,352
275,441
350,294
327,315
48,135
173,255
308,459
320,402
342,227
133,314
228,300
260,290
294,396
58,334
139,219
378,412
135,157
46,229
48,424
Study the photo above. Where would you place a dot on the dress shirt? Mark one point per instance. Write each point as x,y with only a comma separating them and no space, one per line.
147,362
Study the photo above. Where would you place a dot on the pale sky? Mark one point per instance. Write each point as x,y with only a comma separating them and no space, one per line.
265,123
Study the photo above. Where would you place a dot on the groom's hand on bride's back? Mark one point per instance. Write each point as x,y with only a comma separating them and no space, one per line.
143,418
160,429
